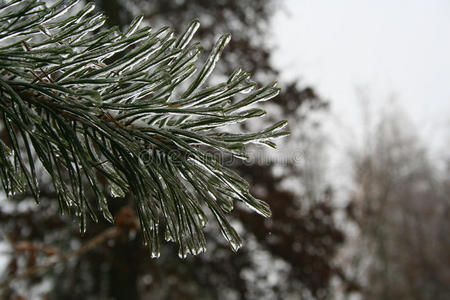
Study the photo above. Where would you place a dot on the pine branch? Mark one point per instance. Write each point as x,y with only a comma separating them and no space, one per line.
127,108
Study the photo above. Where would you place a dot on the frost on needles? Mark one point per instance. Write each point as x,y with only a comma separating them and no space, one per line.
128,111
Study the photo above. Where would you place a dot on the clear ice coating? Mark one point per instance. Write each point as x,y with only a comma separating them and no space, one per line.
186,37
154,246
248,89
116,191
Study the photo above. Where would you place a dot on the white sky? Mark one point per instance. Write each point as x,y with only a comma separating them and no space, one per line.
396,47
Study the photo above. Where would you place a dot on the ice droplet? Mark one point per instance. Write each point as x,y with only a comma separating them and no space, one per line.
168,236
182,252
203,220
235,244
116,191
155,254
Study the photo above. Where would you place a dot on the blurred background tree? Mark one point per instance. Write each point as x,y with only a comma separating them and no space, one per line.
289,256
400,206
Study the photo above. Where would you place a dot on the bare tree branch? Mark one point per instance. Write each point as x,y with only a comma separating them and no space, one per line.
99,239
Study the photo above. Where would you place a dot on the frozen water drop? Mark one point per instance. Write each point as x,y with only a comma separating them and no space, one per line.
117,191
182,252
155,254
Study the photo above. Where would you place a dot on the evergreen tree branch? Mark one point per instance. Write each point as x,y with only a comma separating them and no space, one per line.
127,108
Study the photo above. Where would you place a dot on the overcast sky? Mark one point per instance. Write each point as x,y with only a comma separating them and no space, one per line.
388,47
